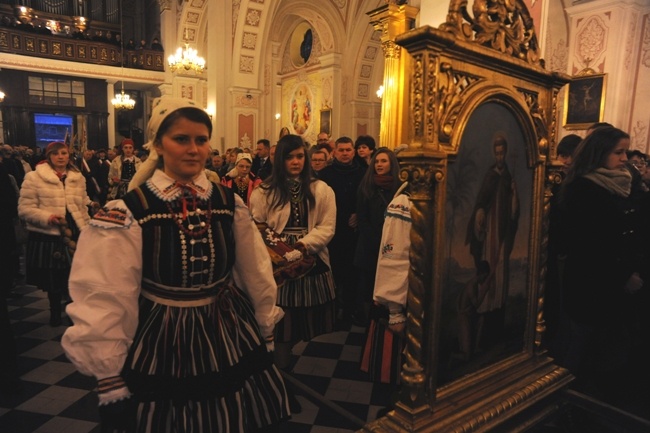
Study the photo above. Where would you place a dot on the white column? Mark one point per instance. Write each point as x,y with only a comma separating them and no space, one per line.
110,121
217,71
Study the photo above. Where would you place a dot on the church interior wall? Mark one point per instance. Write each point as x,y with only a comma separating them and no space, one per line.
241,60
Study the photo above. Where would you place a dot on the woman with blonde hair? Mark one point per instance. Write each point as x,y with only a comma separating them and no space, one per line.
53,202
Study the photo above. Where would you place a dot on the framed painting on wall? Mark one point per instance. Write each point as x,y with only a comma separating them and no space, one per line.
585,101
325,121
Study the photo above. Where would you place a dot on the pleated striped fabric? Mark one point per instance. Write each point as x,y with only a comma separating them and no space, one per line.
308,302
203,369
197,368
382,352
48,260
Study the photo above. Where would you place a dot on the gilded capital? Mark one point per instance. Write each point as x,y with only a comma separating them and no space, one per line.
391,49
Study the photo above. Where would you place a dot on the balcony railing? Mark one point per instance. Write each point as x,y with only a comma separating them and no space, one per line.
77,50
106,11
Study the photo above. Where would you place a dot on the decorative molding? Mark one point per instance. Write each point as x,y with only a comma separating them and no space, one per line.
591,41
253,17
246,64
363,90
640,136
249,40
365,72
629,44
645,45
560,57
192,17
505,26
370,53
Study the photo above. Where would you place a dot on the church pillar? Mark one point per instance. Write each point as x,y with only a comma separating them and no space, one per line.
110,121
391,20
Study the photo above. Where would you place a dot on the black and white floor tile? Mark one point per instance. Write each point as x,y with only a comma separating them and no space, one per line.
334,394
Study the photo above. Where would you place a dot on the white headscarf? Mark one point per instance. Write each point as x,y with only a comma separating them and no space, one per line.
161,108
246,156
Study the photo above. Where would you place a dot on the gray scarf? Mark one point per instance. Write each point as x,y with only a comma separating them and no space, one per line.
618,182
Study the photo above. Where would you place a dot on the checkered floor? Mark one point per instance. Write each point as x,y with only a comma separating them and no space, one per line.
335,396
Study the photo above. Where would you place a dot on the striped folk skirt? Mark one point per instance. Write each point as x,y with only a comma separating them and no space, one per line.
47,259
308,302
382,352
203,369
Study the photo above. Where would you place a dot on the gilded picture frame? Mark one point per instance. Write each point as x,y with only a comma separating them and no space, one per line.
326,121
585,100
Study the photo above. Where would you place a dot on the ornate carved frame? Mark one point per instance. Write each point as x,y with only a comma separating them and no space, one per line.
488,55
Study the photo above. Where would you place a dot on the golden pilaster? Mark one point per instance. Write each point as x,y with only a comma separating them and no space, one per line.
391,20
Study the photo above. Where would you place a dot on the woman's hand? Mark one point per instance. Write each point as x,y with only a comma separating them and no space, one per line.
301,247
55,220
352,221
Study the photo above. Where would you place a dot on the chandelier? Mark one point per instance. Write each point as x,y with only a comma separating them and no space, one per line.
122,101
186,59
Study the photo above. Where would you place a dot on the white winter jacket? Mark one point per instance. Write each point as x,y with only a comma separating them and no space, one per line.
43,195
321,220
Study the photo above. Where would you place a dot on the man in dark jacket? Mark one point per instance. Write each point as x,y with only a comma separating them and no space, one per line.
262,164
344,176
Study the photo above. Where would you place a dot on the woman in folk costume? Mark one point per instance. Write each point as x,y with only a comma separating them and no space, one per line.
54,204
381,353
179,334
302,210
122,170
240,179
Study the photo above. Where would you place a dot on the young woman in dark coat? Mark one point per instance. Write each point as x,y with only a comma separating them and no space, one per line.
375,191
605,263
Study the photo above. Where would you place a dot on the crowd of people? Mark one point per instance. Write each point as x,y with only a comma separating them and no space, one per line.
196,275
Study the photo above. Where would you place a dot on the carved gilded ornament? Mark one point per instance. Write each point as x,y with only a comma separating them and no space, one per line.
438,96
391,49
504,25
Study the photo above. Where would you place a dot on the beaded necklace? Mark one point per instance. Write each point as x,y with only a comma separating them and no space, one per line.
295,188
242,184
190,231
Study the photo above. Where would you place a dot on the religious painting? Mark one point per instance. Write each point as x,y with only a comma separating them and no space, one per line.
585,101
488,222
301,111
325,121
